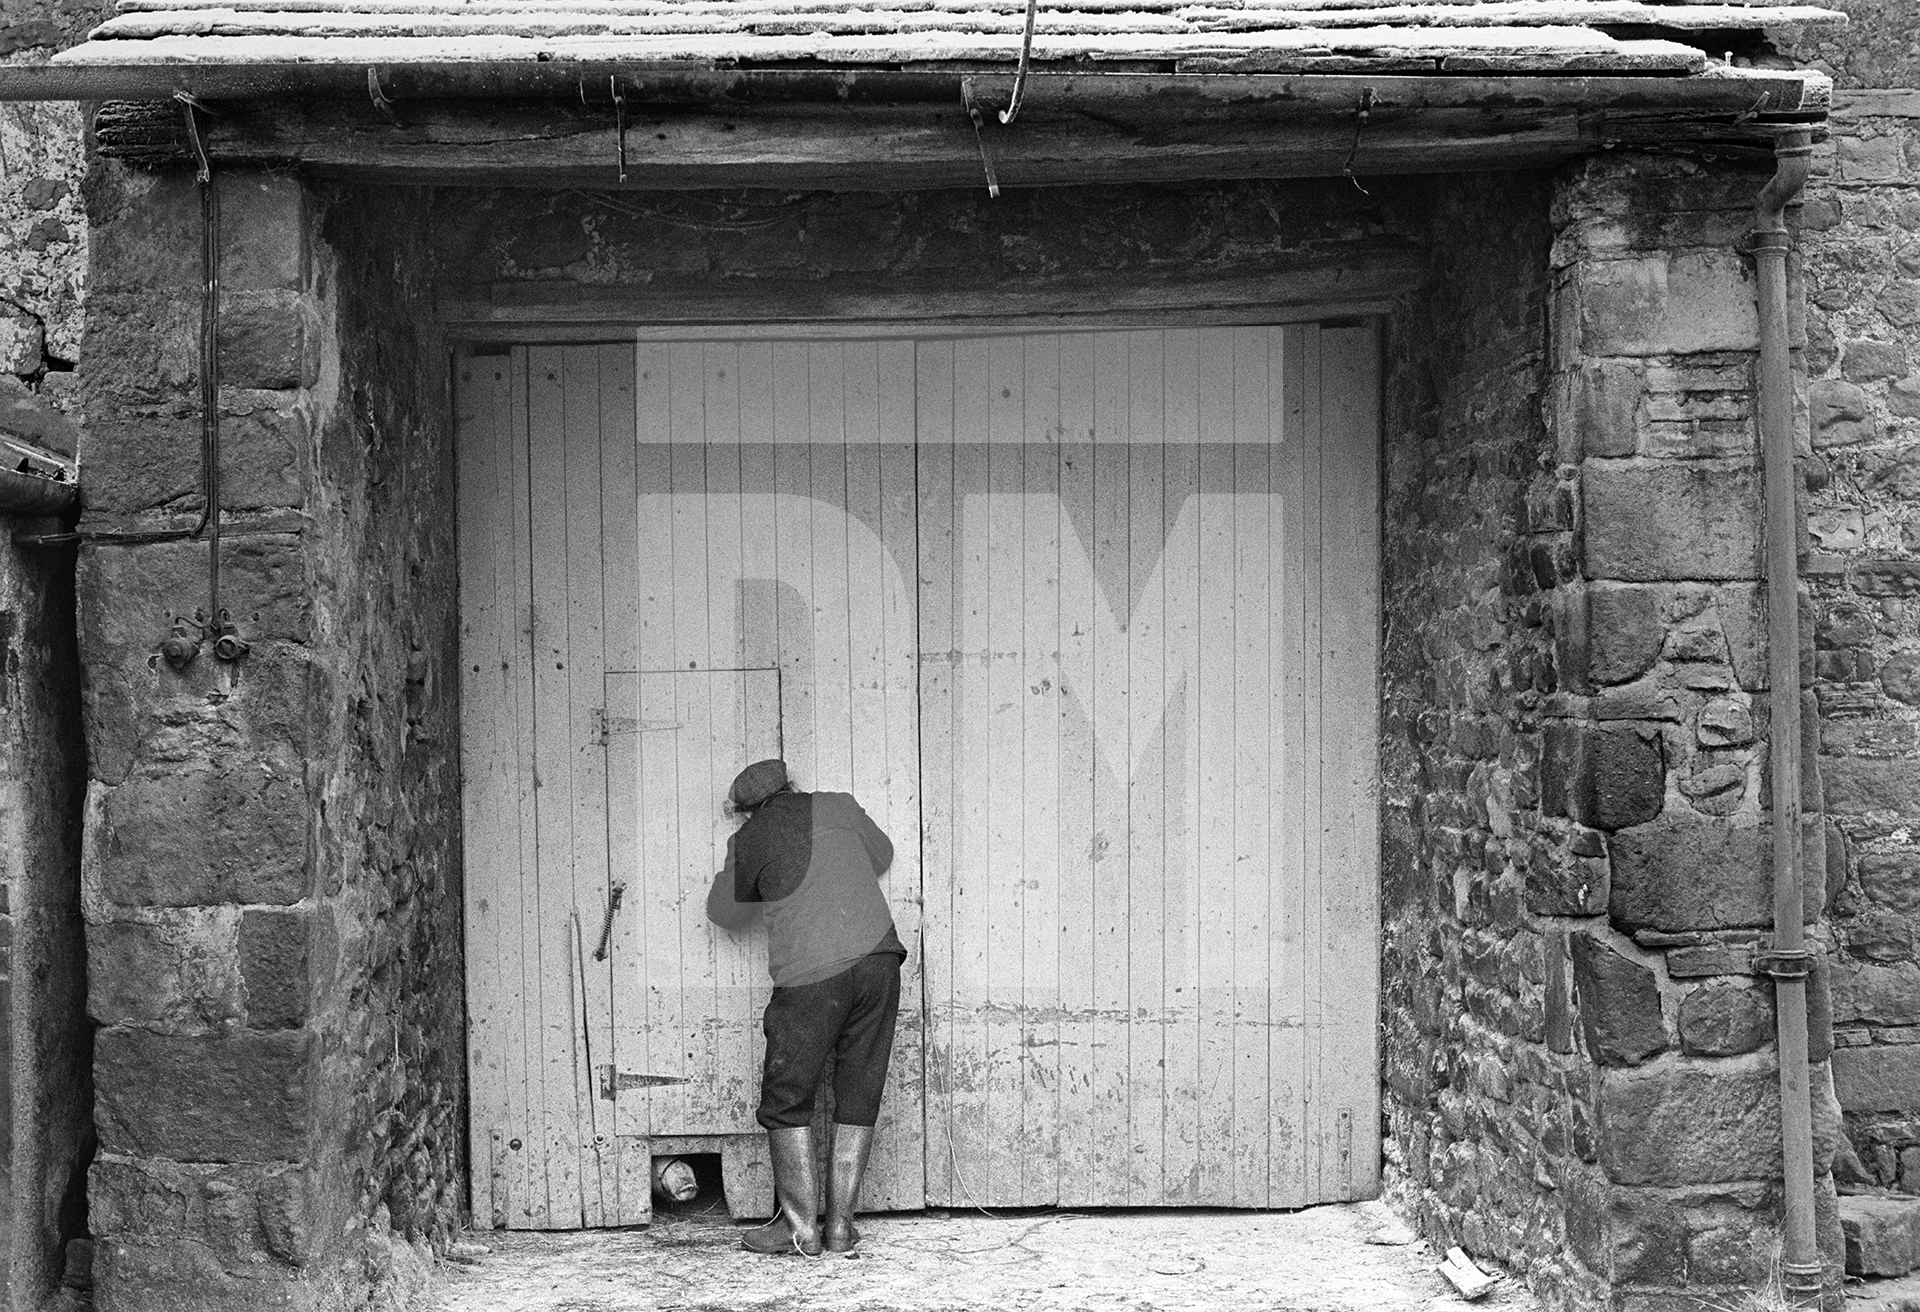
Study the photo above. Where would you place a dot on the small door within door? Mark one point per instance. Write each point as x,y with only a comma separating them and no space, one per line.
687,995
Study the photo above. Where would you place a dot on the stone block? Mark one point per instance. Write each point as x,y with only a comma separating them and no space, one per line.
1561,882
1881,1078
263,238
1892,879
1903,397
144,230
1867,361
1857,785
236,1097
1684,1123
1841,415
1603,402
1619,1001
1650,523
200,833
1882,1234
1864,993
1697,961
265,451
276,960
1603,777
1673,304
1626,628
1725,1020
265,339
185,1277
128,599
1886,578
1686,873
36,417
177,978
1870,159
244,1213
23,340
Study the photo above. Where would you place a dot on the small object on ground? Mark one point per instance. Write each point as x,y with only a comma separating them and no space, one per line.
466,1252
1463,1275
1383,1227
673,1179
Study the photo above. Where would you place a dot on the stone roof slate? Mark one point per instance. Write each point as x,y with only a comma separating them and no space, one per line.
1445,36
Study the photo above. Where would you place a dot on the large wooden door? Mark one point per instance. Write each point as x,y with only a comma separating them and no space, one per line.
1148,652
1086,621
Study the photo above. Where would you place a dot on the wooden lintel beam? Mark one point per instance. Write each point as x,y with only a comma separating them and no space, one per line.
860,146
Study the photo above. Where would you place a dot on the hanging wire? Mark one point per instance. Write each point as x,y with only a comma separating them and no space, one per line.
1026,61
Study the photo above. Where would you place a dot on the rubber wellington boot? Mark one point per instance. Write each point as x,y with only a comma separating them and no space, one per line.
851,1144
796,1192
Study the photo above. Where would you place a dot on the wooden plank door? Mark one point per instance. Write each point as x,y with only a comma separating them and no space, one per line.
1148,650
544,1151
762,533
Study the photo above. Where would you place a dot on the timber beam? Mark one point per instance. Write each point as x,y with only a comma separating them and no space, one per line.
892,131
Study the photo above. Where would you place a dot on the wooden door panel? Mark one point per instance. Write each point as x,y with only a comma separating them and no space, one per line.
686,1051
1141,637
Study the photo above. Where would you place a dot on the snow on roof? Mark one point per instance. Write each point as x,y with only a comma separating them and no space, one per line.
1518,35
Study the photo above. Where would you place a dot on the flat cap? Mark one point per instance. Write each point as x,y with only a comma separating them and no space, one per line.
757,783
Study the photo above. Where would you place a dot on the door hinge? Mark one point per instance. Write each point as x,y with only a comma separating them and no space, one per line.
613,1082
606,726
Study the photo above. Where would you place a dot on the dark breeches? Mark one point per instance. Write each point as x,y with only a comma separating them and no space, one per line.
850,1015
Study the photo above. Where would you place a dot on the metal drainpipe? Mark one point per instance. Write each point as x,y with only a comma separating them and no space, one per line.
1788,962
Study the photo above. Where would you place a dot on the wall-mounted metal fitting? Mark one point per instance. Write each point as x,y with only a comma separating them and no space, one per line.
229,645
183,644
1779,964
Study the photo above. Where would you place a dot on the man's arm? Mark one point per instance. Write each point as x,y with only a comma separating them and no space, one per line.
723,905
872,837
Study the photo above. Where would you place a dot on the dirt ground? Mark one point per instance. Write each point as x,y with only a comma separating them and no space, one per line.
1324,1259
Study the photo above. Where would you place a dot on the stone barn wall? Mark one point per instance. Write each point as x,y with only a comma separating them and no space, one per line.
1860,235
272,862
45,1099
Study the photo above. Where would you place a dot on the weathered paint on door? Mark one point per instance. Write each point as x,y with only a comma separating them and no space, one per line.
1148,655
1105,599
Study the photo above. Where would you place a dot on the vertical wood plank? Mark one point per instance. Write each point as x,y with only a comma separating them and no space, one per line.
1349,942
528,1165
899,1179
584,785
689,508
560,1050
793,551
1039,695
1001,576
1261,736
734,1021
975,987
1290,1066
1181,581
938,671
1220,789
1146,811
489,747
1078,764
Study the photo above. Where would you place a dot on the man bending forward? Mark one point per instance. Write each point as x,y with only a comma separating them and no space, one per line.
809,862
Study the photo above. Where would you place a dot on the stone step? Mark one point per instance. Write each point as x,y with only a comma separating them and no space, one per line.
1883,1234
1898,1294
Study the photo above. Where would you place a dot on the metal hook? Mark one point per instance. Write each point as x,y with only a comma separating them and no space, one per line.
192,108
1026,60
973,112
1360,118
379,98
620,124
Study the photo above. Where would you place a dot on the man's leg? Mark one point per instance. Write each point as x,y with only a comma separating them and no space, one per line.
800,1026
862,1053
